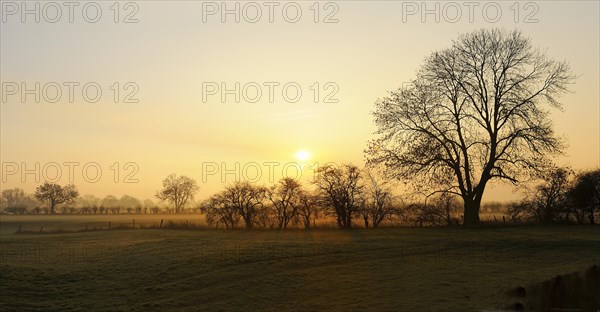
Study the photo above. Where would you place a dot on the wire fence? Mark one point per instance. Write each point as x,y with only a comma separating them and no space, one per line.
49,228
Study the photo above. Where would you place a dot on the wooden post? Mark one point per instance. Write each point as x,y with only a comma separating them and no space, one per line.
19,230
161,222
504,219
41,228
495,220
109,225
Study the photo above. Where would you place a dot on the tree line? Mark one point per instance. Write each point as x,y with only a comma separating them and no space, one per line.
350,196
51,198
561,197
344,195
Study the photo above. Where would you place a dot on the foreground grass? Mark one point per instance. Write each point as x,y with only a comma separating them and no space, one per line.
402,269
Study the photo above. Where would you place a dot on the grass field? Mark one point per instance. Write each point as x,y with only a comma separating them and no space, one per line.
394,269
10,223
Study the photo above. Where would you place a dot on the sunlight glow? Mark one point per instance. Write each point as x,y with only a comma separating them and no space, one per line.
302,155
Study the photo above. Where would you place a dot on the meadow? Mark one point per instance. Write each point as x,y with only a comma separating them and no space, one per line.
388,269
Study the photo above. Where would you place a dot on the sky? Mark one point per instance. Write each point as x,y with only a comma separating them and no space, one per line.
168,73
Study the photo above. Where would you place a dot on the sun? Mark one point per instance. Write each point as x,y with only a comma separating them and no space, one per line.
302,155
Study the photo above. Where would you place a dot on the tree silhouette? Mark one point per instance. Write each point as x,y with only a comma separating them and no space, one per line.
286,198
549,199
110,203
585,195
447,207
219,209
178,190
309,208
341,190
12,197
475,112
54,194
379,201
240,199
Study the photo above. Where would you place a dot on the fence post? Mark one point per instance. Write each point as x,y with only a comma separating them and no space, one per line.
161,222
19,230
41,228
109,225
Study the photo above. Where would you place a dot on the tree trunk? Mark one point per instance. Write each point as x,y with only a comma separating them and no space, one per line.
471,211
376,222
349,219
248,222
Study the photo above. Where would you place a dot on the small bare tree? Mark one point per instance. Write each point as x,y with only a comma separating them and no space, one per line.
520,211
475,112
129,203
308,209
178,190
220,210
87,202
12,197
285,197
243,198
447,207
548,201
341,190
15,201
379,201
110,204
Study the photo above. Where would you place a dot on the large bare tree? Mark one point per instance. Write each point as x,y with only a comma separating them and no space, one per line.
55,194
475,112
